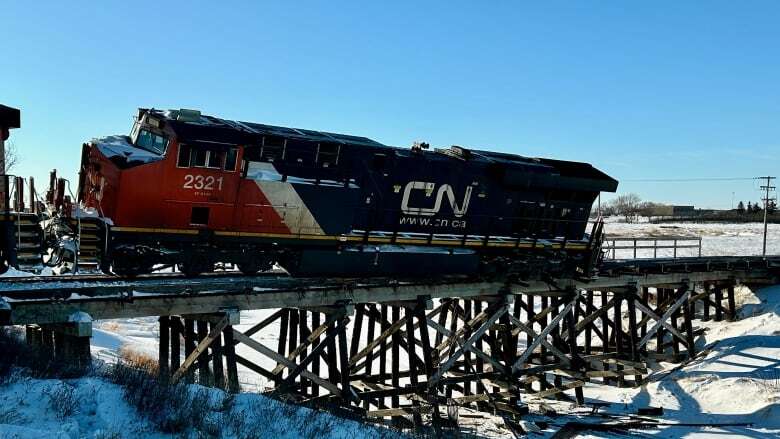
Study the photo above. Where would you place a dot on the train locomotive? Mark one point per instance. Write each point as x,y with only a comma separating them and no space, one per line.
193,190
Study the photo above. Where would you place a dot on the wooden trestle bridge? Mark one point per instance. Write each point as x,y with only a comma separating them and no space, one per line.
392,348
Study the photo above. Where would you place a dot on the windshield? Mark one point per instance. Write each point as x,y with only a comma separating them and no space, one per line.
151,142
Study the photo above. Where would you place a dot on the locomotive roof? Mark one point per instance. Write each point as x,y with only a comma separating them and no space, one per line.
192,126
214,129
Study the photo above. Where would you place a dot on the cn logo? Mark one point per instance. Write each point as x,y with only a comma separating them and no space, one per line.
444,189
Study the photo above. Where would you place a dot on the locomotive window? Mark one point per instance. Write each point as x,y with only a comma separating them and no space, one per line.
199,157
230,159
216,159
184,156
151,142
328,154
273,148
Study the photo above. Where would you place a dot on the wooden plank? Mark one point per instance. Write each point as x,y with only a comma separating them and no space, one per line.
259,347
647,311
538,340
203,360
486,323
331,318
314,355
557,352
660,322
164,347
555,390
230,360
199,349
216,357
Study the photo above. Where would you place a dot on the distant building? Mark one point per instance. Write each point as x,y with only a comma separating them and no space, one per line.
672,211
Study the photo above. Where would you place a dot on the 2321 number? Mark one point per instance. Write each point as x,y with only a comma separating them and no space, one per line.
199,182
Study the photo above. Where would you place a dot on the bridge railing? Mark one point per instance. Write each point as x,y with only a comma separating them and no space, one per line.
623,247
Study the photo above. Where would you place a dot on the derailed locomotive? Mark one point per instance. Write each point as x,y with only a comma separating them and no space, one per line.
194,190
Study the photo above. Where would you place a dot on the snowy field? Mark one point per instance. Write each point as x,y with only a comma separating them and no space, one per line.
717,239
738,380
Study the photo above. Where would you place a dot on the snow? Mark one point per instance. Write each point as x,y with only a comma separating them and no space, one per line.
13,272
113,146
717,239
95,408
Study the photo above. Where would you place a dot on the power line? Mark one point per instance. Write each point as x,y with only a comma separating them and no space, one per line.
767,187
677,180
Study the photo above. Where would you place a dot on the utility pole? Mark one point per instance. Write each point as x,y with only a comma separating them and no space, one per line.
767,188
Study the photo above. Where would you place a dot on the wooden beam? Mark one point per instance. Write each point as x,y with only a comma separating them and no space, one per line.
259,347
199,349
660,322
538,340
487,322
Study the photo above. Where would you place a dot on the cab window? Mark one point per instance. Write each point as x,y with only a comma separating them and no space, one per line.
212,158
151,142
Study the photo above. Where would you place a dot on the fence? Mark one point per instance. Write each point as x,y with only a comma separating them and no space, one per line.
623,247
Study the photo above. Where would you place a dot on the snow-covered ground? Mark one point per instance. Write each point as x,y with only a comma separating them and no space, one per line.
717,239
96,409
735,380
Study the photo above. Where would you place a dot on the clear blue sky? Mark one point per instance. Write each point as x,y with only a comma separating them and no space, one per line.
655,90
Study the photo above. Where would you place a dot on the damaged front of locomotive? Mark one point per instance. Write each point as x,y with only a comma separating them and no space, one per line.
77,233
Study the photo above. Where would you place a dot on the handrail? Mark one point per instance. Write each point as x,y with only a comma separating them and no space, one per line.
612,245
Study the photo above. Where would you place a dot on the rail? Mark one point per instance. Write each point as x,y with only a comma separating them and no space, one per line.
622,247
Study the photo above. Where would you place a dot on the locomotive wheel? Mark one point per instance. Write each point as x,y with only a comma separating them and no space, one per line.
253,266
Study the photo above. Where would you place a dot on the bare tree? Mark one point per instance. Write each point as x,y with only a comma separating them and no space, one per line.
11,156
627,205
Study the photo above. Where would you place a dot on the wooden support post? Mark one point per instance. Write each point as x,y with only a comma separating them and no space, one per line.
660,300
467,304
633,333
646,299
543,384
619,346
480,366
370,334
674,317
283,326
165,345
732,304
189,343
396,352
230,360
530,313
203,361
357,329
604,324
216,359
198,353
412,364
304,333
346,390
384,326
293,332
718,303
705,303
589,309
332,356
315,365
176,332
576,361
688,310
